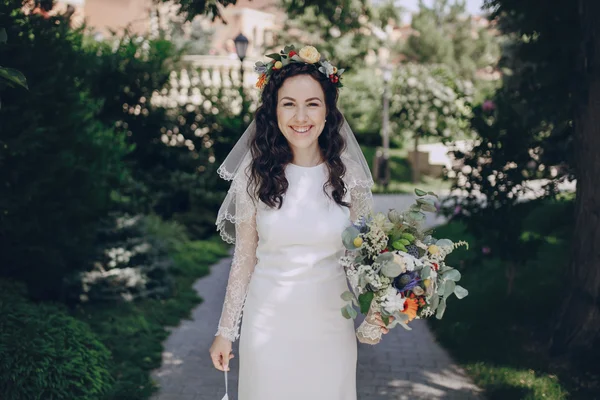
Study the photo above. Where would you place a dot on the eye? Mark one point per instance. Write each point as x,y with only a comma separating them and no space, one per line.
288,104
313,104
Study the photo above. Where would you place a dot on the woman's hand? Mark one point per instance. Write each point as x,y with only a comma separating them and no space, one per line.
220,353
380,322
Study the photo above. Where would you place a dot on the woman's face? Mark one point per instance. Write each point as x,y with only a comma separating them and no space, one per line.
301,111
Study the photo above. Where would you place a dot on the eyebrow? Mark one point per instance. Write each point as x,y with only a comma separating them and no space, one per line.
311,99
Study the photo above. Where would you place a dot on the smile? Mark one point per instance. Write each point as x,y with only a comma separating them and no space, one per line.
301,129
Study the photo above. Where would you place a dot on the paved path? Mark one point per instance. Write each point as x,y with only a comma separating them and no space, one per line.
404,366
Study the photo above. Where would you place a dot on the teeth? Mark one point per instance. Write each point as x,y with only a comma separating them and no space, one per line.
301,130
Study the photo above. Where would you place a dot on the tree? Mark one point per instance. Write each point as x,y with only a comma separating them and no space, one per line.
445,34
554,60
428,101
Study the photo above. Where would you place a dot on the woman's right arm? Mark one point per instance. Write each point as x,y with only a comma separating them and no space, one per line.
242,267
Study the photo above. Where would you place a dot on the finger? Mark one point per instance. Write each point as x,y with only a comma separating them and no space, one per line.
231,356
216,361
385,330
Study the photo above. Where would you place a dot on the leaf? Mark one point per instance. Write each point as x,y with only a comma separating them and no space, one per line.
416,216
347,296
449,288
274,56
453,275
345,313
399,246
435,301
348,236
3,36
433,194
13,77
425,272
420,192
385,319
460,292
391,269
384,257
441,309
402,324
365,299
340,71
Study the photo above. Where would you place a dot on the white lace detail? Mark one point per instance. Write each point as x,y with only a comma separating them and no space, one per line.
244,256
361,203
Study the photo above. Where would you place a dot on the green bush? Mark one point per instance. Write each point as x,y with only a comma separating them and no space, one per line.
502,338
58,163
134,331
47,354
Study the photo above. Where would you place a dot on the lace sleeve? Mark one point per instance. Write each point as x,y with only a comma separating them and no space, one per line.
361,203
238,226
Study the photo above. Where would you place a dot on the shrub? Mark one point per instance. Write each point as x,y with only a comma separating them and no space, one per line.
47,354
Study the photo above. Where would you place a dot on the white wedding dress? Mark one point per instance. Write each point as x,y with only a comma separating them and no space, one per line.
285,275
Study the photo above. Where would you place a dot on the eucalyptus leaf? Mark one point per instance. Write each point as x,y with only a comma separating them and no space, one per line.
13,77
435,301
347,296
449,288
384,257
348,236
391,269
345,313
416,216
433,194
460,292
402,324
365,299
453,275
441,309
351,311
420,192
425,272
3,36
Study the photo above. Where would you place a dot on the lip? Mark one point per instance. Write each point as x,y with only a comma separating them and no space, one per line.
301,133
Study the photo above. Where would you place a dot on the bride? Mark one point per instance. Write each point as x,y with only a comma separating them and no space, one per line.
299,179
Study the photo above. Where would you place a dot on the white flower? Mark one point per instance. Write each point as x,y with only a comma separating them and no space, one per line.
309,54
326,68
392,301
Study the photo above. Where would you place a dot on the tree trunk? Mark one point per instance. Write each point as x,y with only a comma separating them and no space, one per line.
416,170
578,326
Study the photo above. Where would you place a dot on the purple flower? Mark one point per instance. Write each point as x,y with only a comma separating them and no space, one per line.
406,281
488,106
486,250
457,210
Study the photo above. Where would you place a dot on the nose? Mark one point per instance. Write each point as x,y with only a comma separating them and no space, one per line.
301,115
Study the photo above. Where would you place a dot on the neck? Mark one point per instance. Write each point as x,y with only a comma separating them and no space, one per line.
308,159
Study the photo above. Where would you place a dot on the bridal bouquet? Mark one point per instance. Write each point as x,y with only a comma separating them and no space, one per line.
397,268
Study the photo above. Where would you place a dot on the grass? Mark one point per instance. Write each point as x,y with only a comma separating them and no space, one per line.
502,340
134,331
401,174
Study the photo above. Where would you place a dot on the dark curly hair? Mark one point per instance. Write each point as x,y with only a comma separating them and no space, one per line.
271,151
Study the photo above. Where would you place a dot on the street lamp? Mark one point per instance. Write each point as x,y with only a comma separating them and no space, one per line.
384,170
241,45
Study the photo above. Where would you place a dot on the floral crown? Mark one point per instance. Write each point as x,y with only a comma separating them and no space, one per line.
306,55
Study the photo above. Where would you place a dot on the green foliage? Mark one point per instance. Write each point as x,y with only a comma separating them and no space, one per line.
520,325
132,260
429,101
58,162
447,35
134,331
47,354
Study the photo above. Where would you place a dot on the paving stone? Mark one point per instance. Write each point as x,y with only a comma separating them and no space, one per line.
406,365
